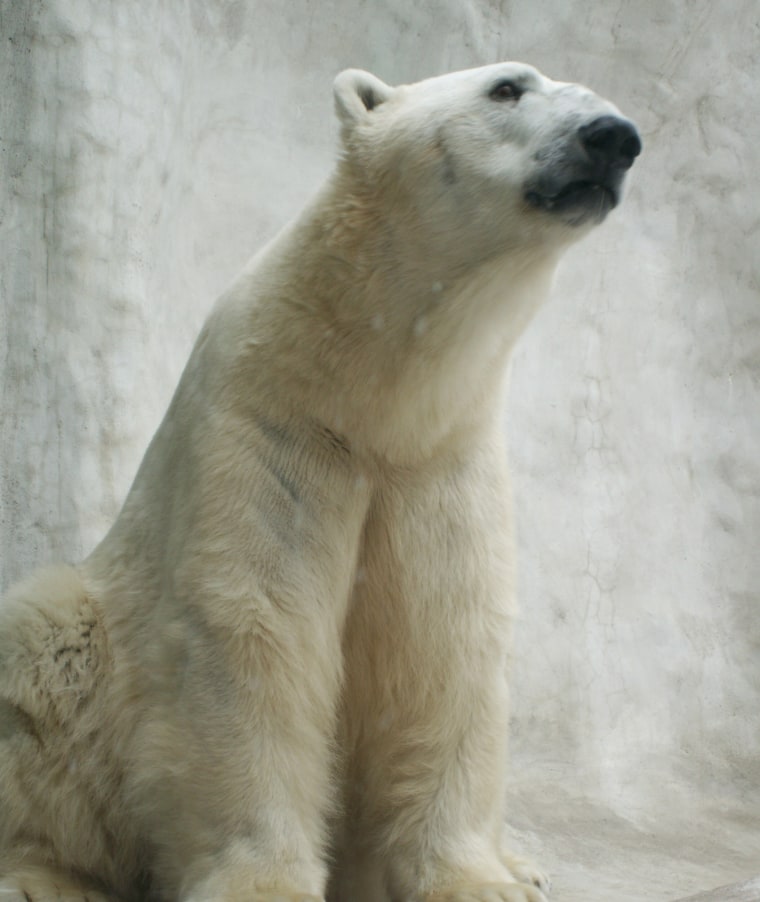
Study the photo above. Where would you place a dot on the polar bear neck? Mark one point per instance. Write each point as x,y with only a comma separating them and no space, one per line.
381,337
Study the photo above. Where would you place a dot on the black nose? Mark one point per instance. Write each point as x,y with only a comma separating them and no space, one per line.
611,141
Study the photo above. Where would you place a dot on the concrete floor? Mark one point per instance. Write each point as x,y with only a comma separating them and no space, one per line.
744,892
596,850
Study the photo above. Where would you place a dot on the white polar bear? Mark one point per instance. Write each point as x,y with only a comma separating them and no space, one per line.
282,674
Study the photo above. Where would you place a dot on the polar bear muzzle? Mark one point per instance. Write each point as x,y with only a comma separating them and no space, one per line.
584,179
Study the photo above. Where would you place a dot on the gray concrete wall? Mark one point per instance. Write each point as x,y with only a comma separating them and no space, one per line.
147,149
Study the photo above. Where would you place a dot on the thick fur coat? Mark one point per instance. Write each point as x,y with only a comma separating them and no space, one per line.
283,673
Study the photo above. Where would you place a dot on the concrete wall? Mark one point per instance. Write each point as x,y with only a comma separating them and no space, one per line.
147,149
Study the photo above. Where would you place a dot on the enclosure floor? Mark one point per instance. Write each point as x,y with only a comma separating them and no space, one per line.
676,846
744,892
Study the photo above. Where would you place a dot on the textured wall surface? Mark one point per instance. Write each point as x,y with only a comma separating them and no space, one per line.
147,149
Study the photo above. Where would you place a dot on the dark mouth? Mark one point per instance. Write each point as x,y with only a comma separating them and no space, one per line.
577,202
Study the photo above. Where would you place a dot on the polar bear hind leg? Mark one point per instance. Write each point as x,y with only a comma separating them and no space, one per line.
60,794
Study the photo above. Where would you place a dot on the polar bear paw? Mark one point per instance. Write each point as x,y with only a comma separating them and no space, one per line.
260,896
489,892
281,897
35,889
526,871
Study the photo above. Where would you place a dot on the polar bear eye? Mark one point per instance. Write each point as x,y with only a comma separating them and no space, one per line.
506,90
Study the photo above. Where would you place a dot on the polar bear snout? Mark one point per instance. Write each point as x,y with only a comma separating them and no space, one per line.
581,173
611,142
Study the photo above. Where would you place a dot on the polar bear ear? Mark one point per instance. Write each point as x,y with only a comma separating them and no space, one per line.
357,93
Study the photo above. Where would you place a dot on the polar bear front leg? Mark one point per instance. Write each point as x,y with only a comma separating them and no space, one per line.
241,673
238,771
427,726
244,756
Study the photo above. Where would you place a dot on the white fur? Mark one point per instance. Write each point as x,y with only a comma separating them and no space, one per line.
292,647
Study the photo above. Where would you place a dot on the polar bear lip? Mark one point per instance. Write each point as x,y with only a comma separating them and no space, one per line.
582,199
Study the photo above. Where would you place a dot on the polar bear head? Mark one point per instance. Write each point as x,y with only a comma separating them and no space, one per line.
486,160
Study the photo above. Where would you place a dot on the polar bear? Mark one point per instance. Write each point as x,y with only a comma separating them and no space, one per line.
283,673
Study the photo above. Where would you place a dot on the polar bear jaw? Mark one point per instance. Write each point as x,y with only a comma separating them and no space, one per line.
503,156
